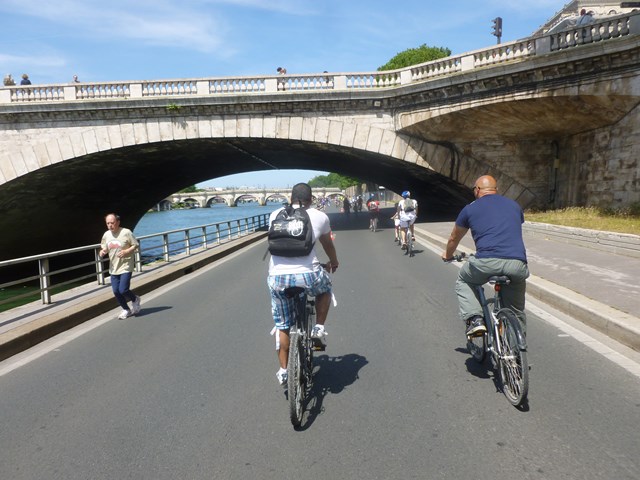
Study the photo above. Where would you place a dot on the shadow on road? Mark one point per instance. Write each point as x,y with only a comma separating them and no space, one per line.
331,375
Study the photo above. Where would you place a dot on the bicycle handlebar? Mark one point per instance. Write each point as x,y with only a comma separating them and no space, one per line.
328,267
456,258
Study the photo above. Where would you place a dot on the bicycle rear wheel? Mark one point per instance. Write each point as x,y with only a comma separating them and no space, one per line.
295,379
409,243
513,364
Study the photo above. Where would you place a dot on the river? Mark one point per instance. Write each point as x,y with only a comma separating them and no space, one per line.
156,222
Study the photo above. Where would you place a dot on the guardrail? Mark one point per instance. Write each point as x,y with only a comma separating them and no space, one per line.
602,30
163,246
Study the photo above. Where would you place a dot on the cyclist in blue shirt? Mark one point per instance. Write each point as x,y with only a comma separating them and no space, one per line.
496,227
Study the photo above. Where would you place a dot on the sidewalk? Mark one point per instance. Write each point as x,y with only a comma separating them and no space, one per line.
589,282
25,326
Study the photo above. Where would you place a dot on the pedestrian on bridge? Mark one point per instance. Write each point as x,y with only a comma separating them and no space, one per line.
120,244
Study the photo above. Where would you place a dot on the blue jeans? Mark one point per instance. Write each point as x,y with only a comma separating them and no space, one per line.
120,284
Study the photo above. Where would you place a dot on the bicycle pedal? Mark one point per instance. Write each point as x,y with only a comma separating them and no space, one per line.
318,345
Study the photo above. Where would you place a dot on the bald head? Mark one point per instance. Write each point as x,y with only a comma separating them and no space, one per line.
485,185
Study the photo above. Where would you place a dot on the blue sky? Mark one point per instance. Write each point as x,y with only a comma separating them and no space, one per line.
164,39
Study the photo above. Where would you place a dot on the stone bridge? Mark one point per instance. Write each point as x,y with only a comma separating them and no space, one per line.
554,117
231,197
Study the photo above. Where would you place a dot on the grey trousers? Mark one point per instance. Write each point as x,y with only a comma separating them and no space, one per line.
477,271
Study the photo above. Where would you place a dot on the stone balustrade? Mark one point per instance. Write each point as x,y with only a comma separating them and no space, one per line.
602,30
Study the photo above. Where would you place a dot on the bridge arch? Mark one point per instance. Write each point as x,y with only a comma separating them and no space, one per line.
128,167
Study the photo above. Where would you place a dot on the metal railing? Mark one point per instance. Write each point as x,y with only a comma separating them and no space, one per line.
84,263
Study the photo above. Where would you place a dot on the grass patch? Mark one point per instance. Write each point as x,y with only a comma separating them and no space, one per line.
10,292
621,221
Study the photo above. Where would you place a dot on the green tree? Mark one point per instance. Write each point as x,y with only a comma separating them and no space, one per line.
333,180
414,56
190,189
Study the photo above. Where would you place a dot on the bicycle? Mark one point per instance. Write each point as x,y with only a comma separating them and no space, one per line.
504,340
409,237
301,348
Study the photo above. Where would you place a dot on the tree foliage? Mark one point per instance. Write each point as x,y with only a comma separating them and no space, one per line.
414,56
333,180
190,189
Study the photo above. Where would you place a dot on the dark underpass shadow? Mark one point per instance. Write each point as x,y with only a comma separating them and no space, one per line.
331,375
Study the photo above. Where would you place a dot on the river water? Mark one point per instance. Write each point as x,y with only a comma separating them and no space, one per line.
156,222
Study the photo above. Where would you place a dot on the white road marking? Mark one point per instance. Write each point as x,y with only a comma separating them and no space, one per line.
629,364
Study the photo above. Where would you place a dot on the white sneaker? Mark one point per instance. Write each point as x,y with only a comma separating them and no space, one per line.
125,314
135,306
282,377
318,331
318,339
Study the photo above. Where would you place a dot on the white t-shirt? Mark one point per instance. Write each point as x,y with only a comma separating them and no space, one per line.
284,265
408,216
121,240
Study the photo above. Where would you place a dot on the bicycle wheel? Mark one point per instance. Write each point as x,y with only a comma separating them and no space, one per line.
295,380
477,347
513,365
409,243
375,224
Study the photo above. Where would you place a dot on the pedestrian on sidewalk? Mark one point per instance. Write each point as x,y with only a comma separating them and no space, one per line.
120,244
496,227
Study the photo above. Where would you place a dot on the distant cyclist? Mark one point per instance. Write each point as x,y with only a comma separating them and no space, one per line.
496,226
306,271
407,214
374,211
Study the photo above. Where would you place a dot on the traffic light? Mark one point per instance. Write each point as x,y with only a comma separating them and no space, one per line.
497,27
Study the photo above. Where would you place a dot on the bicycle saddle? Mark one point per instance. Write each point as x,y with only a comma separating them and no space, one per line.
500,280
293,291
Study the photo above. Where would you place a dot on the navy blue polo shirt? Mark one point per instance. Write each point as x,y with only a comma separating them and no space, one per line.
496,227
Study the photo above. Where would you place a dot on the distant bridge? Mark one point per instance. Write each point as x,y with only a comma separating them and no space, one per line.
232,196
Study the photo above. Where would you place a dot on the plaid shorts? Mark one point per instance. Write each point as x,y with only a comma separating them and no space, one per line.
316,283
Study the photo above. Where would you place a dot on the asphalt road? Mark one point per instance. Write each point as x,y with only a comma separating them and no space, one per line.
187,390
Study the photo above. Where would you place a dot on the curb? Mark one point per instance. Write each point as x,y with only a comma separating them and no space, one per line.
618,325
617,243
63,316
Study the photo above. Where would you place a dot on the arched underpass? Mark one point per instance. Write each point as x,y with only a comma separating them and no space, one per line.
62,205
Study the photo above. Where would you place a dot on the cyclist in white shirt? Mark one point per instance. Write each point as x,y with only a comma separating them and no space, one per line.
407,213
307,272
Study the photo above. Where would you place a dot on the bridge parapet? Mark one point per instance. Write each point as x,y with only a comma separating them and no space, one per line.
599,31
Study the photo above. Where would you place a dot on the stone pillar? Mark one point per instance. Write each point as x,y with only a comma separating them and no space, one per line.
543,45
467,63
135,90
5,95
270,85
340,82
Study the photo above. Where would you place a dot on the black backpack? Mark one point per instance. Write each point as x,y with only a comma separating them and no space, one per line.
291,233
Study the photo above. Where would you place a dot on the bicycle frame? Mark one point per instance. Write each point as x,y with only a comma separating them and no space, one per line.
493,346
505,343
